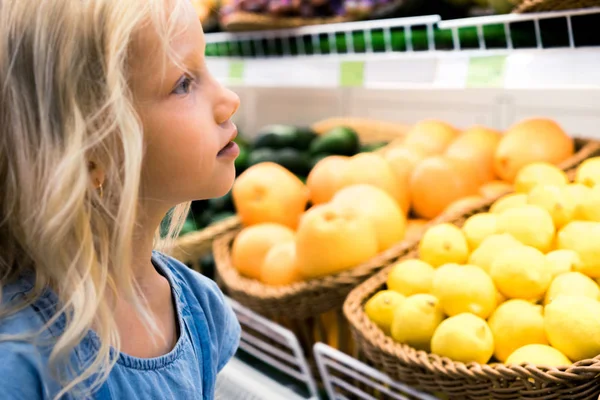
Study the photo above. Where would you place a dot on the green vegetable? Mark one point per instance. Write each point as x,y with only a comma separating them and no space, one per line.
368,147
224,203
261,155
242,161
293,160
289,158
282,136
221,216
207,266
188,227
204,218
340,140
318,157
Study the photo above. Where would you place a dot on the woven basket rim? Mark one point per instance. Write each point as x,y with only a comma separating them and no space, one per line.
234,280
251,287
187,246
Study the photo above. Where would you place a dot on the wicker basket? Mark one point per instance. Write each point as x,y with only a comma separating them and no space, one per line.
190,248
309,298
301,307
457,380
529,6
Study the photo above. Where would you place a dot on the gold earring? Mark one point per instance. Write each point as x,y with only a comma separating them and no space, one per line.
100,189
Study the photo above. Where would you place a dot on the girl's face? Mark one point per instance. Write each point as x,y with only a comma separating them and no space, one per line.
186,116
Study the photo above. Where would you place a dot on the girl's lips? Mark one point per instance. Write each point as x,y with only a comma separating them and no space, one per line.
231,150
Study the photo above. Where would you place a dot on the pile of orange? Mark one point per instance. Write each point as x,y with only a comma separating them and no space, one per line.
352,208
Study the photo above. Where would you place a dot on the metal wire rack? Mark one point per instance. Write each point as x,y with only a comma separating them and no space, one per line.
345,377
407,35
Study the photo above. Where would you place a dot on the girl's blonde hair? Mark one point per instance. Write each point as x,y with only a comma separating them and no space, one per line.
65,100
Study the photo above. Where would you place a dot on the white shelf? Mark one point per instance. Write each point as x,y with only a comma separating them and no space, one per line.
521,69
345,377
239,381
274,346
400,66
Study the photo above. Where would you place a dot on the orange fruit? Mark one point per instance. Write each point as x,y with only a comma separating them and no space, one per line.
252,244
331,239
532,140
280,266
437,182
373,169
430,136
326,178
494,189
477,146
403,161
267,192
379,207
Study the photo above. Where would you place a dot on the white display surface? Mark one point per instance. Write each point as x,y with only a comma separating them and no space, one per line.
523,69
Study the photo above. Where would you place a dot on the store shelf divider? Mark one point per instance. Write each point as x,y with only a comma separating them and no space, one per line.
285,354
340,371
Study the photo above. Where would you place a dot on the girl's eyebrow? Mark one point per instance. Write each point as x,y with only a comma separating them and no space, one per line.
190,58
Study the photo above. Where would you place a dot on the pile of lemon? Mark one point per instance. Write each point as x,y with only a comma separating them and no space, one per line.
517,284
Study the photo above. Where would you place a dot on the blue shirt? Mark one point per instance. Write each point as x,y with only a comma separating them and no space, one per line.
208,337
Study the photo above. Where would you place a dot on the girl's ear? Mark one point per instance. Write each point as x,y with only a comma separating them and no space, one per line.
97,176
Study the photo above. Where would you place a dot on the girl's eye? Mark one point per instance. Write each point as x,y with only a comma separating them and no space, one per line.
184,86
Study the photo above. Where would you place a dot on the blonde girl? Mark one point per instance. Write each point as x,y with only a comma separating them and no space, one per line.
109,120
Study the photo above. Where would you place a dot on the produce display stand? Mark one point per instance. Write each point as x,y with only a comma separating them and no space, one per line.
492,70
300,306
269,363
345,377
471,381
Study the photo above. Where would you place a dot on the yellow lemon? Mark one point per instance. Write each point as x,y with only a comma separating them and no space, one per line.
582,237
590,206
416,320
507,202
411,277
572,324
521,273
465,338
381,307
539,173
588,173
530,225
500,298
556,200
579,193
443,244
490,248
464,288
478,227
515,324
538,354
562,261
572,284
